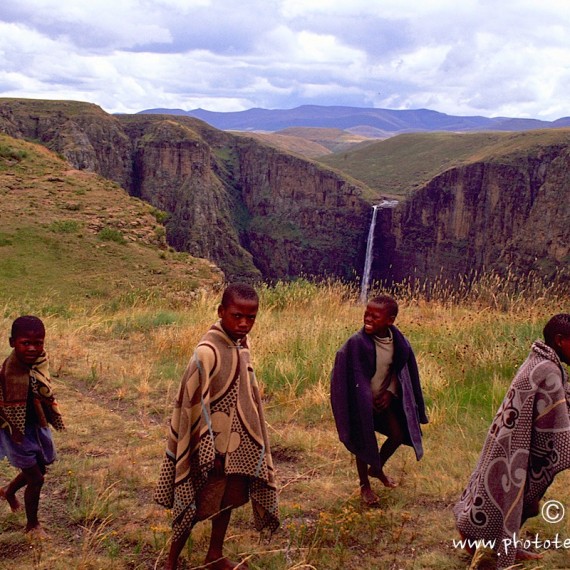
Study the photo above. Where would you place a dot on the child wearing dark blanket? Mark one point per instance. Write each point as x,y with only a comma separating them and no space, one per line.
27,405
375,387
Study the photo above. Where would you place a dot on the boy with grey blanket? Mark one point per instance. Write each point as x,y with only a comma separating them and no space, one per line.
528,443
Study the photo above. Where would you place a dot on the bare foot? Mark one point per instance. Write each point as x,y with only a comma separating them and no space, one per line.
527,555
36,533
379,474
224,563
12,500
369,497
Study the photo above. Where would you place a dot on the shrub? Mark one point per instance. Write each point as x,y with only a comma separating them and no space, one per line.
9,153
111,234
159,215
64,226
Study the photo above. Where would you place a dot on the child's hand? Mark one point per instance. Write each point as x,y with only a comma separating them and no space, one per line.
382,401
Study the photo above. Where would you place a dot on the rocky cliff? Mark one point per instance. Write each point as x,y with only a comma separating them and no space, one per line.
260,212
509,209
82,133
250,208
254,210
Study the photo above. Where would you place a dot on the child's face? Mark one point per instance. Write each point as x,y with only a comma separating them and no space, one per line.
563,348
238,317
377,319
28,346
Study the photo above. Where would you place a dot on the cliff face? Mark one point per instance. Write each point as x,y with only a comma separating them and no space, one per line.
82,133
512,210
304,219
251,209
256,211
175,170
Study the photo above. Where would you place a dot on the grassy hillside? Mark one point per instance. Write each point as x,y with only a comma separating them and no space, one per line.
72,237
309,142
44,108
335,140
117,372
399,165
297,145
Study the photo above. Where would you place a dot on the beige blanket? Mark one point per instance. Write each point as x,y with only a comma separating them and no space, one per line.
218,413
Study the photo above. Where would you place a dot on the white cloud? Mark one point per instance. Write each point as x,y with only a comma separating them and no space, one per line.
470,57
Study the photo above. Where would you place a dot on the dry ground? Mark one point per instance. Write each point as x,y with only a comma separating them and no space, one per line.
97,503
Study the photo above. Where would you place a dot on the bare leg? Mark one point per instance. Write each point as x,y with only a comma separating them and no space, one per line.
469,549
529,510
395,438
527,555
215,558
176,547
34,482
236,490
368,496
9,492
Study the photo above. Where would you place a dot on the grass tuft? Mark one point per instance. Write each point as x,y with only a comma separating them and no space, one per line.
116,369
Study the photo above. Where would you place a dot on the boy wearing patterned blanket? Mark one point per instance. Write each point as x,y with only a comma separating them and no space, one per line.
527,445
27,405
218,456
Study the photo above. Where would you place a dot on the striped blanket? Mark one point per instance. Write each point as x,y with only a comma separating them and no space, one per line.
16,381
527,445
218,414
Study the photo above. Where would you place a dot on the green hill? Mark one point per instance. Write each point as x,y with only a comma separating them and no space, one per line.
309,142
399,165
76,238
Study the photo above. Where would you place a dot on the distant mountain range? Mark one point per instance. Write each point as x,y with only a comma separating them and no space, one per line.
371,122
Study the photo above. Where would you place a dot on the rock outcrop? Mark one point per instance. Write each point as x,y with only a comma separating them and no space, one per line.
504,211
260,212
82,133
253,210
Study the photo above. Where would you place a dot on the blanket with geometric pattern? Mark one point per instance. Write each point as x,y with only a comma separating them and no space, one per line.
16,382
528,443
218,414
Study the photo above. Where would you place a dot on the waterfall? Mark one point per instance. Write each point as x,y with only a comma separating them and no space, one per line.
368,259
370,247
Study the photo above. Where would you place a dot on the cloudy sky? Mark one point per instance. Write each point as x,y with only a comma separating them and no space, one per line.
461,57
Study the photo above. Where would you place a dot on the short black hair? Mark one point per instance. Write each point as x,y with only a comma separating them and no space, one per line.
27,323
239,291
389,302
558,324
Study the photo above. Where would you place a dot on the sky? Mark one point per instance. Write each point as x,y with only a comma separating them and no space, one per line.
461,57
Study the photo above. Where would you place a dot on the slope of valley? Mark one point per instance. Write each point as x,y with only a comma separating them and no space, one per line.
470,202
72,237
253,210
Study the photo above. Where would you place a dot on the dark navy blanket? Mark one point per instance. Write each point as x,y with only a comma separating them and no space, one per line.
351,394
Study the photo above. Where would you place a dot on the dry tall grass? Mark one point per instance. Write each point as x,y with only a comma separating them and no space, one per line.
116,375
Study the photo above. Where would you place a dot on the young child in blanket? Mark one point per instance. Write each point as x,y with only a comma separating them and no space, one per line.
218,456
27,406
375,387
528,443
